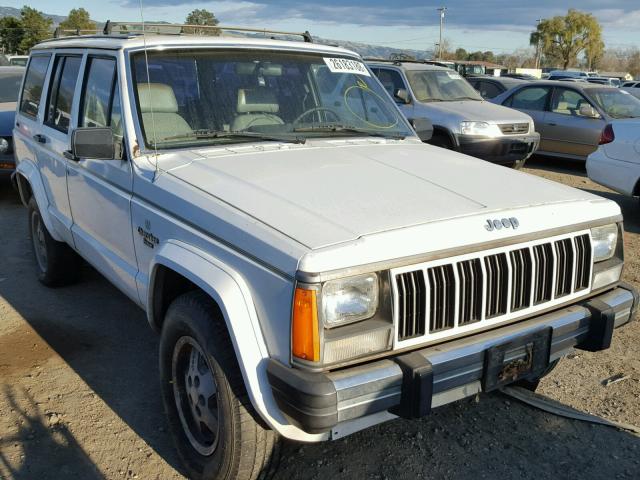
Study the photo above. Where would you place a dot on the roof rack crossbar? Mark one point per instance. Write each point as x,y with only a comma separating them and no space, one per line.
115,27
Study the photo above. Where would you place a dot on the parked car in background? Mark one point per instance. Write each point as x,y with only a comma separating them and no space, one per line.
489,87
612,82
572,73
18,60
10,81
632,87
570,116
461,119
632,84
616,162
567,78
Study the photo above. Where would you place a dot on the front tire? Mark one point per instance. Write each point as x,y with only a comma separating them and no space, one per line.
218,434
57,264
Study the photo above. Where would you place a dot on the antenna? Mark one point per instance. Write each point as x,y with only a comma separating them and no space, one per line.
153,118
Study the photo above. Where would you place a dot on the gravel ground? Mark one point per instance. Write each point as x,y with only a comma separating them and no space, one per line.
79,395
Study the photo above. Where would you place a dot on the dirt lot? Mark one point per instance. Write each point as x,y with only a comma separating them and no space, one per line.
79,395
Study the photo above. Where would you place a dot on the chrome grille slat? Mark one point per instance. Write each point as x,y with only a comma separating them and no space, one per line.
514,128
463,293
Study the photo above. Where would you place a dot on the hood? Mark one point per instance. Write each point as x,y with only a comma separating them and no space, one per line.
322,196
7,118
479,111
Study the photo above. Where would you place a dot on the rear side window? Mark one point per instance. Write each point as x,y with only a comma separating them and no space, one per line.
62,91
34,81
531,98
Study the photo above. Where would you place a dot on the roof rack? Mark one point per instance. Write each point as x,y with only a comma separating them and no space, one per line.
130,29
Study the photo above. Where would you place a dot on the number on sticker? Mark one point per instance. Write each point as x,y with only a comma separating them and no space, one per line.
345,65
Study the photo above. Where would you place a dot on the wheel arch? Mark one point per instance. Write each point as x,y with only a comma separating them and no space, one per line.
30,185
445,132
187,267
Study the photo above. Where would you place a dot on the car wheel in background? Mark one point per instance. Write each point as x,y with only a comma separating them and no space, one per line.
215,428
441,140
57,264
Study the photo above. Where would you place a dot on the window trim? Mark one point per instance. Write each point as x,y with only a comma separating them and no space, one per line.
54,77
44,85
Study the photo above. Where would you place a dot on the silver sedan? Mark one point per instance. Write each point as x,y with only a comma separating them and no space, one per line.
570,117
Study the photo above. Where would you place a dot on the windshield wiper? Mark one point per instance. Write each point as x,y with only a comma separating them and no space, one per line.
349,129
465,98
206,134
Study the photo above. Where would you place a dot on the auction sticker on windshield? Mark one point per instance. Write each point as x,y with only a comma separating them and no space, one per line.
344,65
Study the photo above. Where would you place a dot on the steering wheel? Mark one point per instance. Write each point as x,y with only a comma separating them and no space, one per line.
313,110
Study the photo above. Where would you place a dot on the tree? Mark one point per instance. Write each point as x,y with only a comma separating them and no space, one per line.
565,37
11,33
461,54
202,17
78,19
36,27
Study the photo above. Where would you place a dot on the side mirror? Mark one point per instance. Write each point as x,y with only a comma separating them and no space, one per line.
402,95
423,127
587,110
93,142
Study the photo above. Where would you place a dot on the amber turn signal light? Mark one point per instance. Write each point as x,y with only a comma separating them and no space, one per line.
305,341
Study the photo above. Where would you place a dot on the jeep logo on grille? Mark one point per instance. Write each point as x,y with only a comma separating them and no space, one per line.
499,224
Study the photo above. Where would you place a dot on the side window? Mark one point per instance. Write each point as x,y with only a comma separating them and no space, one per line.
100,105
489,90
61,93
568,102
391,80
530,98
33,84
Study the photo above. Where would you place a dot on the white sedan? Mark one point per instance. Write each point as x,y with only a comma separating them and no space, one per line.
616,162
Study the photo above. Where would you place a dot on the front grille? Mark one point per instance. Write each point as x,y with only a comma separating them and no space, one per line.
491,286
514,128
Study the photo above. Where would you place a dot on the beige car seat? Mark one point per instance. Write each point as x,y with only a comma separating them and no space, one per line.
256,107
160,99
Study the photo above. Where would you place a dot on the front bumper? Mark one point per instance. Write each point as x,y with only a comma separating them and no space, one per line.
410,384
502,150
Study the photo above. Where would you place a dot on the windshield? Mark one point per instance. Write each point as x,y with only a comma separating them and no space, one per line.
10,87
617,103
440,85
212,97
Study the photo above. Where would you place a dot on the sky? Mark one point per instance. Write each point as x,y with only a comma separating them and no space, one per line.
498,25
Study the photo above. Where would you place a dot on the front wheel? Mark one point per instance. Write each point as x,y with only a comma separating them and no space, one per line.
217,432
57,264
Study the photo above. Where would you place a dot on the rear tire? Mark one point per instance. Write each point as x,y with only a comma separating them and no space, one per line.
57,264
203,390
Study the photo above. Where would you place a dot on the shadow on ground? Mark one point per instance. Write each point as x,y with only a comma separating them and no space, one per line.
105,339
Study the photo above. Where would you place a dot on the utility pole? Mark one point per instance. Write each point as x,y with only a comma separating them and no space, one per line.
441,10
538,52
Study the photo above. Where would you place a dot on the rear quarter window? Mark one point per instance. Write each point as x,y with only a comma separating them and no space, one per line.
33,85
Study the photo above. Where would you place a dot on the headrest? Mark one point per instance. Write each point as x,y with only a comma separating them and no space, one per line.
157,96
257,100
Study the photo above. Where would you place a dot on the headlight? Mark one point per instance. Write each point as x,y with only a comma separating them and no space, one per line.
604,241
349,300
483,129
4,145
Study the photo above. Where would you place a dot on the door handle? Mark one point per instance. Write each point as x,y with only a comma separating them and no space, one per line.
551,124
40,138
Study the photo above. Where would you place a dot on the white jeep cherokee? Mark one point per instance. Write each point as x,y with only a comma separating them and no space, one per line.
312,267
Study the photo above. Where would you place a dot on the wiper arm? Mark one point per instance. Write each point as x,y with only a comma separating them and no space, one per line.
198,134
349,129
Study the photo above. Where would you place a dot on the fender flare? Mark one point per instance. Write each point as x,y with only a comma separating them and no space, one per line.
233,296
28,171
